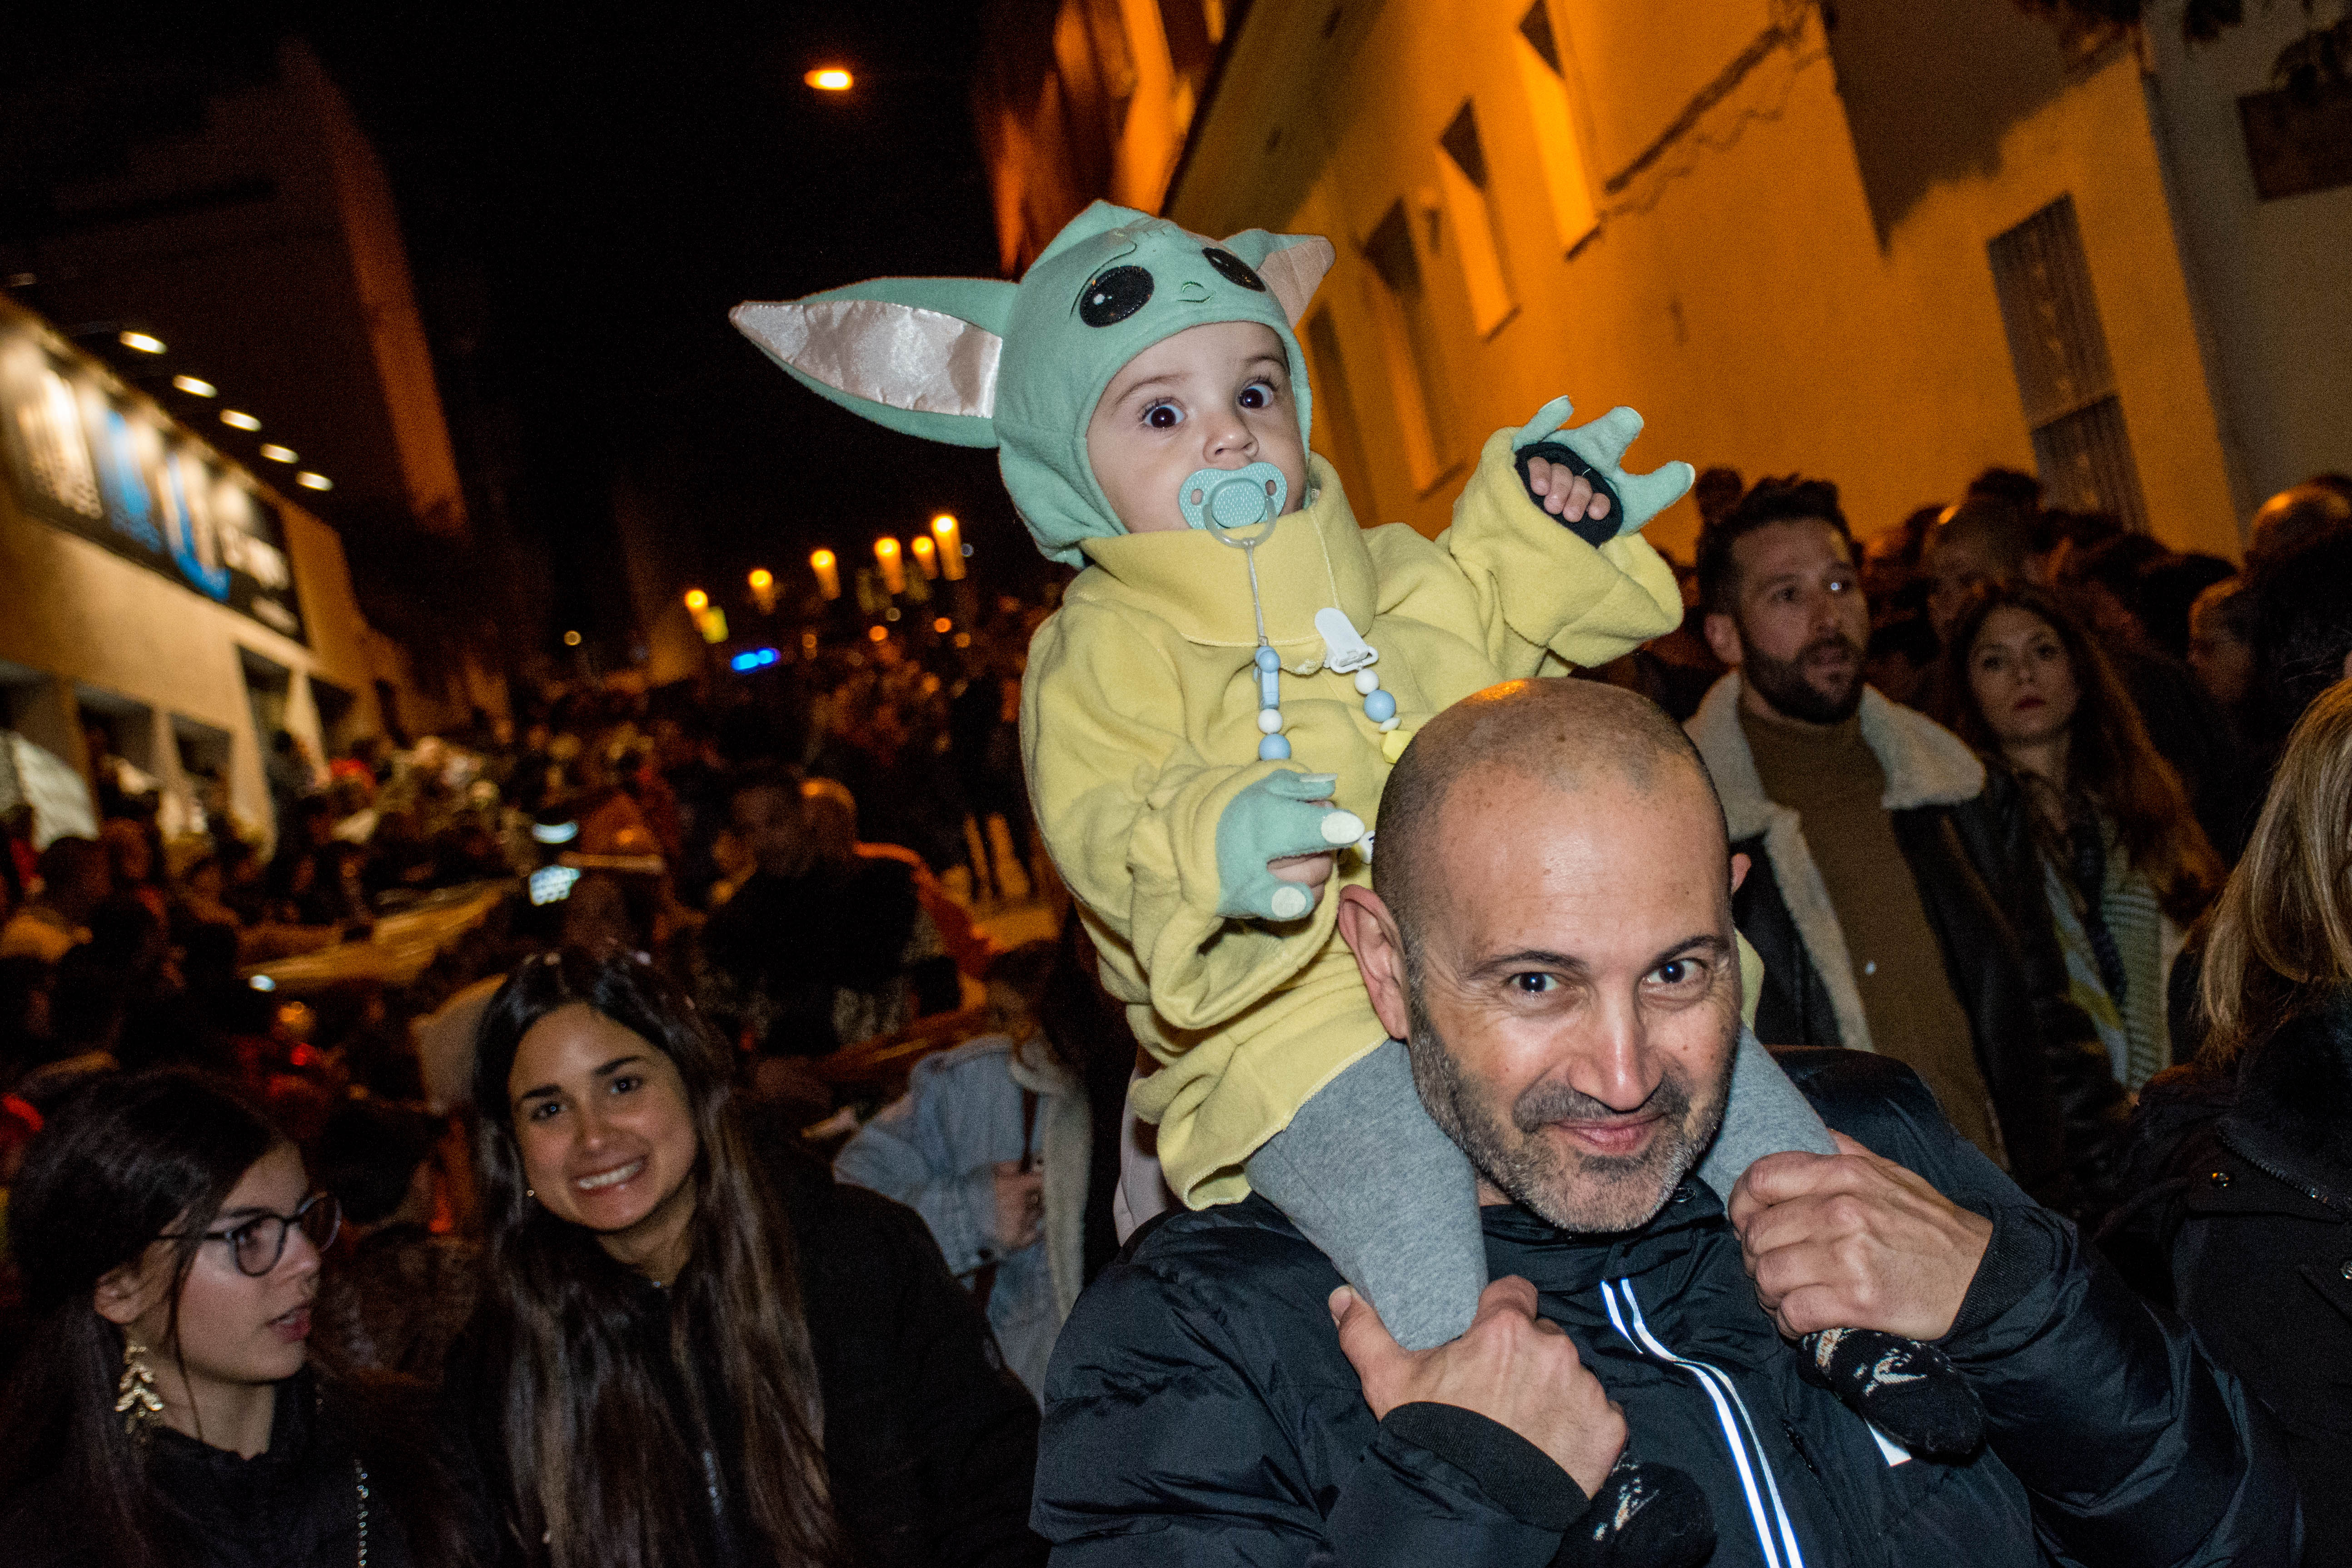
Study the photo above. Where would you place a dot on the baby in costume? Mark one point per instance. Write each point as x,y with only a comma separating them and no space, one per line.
1209,719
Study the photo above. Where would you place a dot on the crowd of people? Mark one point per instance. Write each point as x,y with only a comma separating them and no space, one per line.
729,1192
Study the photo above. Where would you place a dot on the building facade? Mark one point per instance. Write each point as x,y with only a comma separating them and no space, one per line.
1891,242
160,602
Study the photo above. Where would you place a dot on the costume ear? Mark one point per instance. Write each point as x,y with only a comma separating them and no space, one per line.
917,354
1292,265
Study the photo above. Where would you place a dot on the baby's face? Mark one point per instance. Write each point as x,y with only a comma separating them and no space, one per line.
1213,396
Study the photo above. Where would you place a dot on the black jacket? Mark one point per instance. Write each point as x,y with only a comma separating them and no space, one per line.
295,1505
2243,1223
1965,834
1200,1410
929,1441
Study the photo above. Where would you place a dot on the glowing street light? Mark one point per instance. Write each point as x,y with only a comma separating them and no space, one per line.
945,529
195,386
763,589
943,626
927,555
894,569
571,639
145,342
238,419
828,574
310,481
696,600
830,79
278,454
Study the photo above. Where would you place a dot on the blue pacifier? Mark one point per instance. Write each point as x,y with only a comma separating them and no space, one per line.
1224,499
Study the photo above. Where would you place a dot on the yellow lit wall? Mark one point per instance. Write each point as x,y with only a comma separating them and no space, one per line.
1775,285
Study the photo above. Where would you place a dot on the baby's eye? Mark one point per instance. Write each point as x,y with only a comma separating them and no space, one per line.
1163,416
1257,394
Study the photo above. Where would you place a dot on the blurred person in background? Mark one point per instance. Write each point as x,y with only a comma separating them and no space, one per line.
687,1354
821,947
992,1144
165,1410
2296,517
2127,869
397,1294
2221,648
2303,630
131,855
2166,591
76,877
2242,1159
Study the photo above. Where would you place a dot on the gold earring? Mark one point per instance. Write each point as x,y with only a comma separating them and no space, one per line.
530,1191
136,1399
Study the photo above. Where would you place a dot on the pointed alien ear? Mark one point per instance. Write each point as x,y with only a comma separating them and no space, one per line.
1293,264
917,354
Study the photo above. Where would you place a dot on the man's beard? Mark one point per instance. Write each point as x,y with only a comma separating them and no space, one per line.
1782,683
1582,1194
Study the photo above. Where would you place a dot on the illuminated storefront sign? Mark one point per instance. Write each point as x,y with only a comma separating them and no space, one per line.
108,466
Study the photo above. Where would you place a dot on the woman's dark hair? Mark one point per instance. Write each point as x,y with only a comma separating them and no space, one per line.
2110,761
121,1162
603,1470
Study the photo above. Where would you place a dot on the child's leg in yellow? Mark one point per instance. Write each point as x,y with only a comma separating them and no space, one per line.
1367,1177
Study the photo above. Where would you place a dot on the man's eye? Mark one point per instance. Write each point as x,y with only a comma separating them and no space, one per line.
1163,416
1534,983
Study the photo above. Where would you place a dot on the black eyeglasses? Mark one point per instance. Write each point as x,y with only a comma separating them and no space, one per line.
259,1242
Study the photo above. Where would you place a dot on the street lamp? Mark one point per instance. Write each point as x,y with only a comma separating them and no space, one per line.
828,574
894,569
949,535
763,590
696,600
927,555
830,79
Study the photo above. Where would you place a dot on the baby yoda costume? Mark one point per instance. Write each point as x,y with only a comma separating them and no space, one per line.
1139,710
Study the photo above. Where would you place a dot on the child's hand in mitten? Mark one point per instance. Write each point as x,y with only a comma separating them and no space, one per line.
1578,477
1275,843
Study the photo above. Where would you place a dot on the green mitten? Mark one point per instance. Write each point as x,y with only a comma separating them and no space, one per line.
1594,452
1281,814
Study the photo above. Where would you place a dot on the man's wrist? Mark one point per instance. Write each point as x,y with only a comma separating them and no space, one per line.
2019,1257
1523,1479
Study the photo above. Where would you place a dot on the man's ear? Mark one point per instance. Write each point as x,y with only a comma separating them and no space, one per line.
1723,636
1371,932
1740,865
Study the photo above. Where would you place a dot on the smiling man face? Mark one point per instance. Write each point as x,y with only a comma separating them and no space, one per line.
1553,940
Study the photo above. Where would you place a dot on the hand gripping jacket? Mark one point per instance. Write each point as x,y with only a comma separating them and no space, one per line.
1139,710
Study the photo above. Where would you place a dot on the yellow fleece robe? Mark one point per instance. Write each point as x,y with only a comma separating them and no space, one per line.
1138,726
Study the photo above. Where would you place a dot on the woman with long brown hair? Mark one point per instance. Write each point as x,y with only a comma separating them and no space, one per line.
2243,1158
2127,867
687,1354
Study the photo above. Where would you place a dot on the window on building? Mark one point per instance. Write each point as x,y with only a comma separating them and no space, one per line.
1544,75
1394,294
2063,375
1340,434
1462,177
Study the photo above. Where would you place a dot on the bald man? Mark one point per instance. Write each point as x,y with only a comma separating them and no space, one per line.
1549,929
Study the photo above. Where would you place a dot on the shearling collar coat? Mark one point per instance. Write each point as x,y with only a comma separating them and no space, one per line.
1965,836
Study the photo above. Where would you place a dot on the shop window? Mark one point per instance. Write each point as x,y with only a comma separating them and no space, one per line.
1342,440
2064,377
1394,296
1462,178
267,685
339,715
204,749
1544,77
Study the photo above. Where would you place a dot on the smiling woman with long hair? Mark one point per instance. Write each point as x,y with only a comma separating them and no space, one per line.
165,1410
2127,867
690,1354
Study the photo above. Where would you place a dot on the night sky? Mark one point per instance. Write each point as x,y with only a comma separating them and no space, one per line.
584,200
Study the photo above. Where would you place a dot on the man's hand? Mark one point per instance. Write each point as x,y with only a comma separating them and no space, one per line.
1567,495
1851,1240
1510,1366
1020,1206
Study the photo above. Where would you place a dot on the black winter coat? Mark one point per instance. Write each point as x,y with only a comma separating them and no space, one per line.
2245,1225
1200,1411
2060,1111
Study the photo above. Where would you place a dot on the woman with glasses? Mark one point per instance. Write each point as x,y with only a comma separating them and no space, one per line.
163,1409
687,1354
